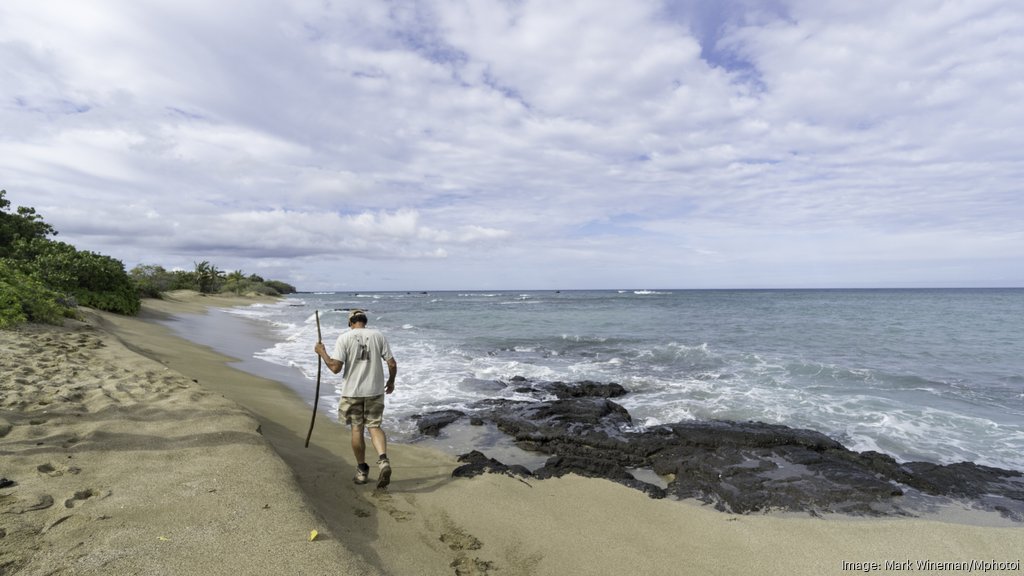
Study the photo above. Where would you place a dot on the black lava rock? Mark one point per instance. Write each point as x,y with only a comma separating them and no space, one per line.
739,467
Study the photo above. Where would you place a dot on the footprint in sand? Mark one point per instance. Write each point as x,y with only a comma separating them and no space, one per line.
43,502
385,503
68,443
458,540
462,543
466,566
54,471
80,496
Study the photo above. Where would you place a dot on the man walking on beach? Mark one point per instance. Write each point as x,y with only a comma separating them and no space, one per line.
359,352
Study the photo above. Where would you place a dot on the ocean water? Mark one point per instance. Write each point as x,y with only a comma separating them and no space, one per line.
933,375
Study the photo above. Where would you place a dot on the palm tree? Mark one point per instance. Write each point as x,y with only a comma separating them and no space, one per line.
235,281
207,276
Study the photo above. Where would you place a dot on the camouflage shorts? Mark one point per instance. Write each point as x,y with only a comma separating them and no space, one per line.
367,411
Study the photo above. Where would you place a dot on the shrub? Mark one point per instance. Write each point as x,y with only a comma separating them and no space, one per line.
247,286
280,287
25,299
55,272
92,279
151,281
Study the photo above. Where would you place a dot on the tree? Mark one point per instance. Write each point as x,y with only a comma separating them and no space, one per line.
236,282
24,223
92,279
151,280
207,277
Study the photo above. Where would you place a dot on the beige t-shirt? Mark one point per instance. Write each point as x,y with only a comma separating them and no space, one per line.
361,351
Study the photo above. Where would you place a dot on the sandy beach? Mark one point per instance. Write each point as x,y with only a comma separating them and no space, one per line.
131,451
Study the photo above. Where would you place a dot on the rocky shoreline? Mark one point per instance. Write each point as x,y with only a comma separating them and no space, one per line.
739,467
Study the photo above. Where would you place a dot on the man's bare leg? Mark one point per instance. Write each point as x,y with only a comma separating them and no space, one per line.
380,440
380,444
359,451
358,444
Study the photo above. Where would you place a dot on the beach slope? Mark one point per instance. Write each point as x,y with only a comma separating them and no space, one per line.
117,464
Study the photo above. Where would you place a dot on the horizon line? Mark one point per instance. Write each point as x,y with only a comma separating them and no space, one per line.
836,288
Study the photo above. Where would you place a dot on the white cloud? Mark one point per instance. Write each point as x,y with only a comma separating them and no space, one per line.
741,142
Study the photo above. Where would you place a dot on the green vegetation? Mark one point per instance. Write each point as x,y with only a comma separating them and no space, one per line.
43,280
24,296
89,278
25,299
205,278
24,224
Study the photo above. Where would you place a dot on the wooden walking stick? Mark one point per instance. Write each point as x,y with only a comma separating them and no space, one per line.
319,366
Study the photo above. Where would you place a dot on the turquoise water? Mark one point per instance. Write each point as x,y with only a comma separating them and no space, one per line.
934,375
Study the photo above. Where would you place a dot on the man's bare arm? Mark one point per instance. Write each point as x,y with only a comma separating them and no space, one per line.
332,364
392,372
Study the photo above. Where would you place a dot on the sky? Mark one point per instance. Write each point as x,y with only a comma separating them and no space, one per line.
520,144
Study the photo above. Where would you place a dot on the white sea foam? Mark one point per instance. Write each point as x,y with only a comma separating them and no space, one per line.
682,370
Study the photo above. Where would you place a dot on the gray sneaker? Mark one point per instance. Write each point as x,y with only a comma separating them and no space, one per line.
362,473
385,473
